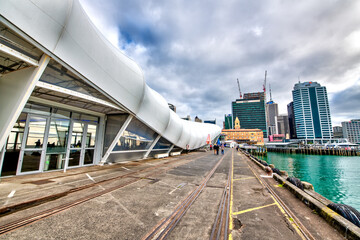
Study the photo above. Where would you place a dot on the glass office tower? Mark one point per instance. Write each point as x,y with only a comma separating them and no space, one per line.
312,112
251,111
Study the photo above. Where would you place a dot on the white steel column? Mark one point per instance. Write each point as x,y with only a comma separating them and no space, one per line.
152,146
118,135
99,140
15,90
171,148
2,154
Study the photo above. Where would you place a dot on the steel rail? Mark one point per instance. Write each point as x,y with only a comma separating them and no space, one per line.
305,232
164,228
49,212
35,202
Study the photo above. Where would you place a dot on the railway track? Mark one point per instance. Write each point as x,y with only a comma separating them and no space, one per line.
35,202
221,224
299,227
54,210
163,229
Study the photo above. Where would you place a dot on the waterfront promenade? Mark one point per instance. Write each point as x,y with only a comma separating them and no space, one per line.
192,196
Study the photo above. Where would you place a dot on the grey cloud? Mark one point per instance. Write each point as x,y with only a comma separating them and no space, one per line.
196,50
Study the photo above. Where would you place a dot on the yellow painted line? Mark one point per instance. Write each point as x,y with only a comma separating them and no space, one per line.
243,178
230,237
241,167
295,226
231,195
252,209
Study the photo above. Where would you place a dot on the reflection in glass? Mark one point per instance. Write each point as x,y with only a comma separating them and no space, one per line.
37,109
113,125
91,135
89,156
31,161
57,142
58,133
54,161
162,144
85,118
77,133
59,113
58,75
74,158
137,136
35,136
13,146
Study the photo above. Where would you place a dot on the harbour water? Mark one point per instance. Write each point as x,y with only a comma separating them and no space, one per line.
335,177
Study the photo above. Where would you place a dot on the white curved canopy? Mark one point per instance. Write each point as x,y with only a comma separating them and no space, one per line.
65,31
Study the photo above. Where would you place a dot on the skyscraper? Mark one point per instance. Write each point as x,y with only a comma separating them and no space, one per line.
351,130
251,111
291,116
271,113
311,110
228,124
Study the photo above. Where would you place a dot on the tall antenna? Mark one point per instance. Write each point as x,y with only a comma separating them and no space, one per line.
239,88
270,92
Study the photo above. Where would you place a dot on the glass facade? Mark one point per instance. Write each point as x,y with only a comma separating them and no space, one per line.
39,140
251,112
162,144
113,125
13,146
311,111
137,136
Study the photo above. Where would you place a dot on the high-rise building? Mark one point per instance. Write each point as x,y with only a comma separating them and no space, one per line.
228,124
271,113
291,116
351,130
282,125
312,112
338,132
251,111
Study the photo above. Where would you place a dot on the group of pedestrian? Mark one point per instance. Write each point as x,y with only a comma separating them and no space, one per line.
218,147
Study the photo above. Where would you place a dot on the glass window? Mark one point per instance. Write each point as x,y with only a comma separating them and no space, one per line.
89,156
58,134
85,118
59,113
37,109
137,136
113,125
54,161
91,136
74,157
59,75
13,146
162,144
35,138
31,161
77,133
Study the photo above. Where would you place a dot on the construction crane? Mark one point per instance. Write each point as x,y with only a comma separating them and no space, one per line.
264,86
239,87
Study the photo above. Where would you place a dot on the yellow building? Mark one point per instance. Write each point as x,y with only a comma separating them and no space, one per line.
250,136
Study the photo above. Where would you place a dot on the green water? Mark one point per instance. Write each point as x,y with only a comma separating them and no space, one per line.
335,177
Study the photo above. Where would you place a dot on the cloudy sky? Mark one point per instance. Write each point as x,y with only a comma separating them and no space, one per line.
192,52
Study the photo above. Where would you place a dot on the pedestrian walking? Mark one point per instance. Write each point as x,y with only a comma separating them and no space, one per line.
222,149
